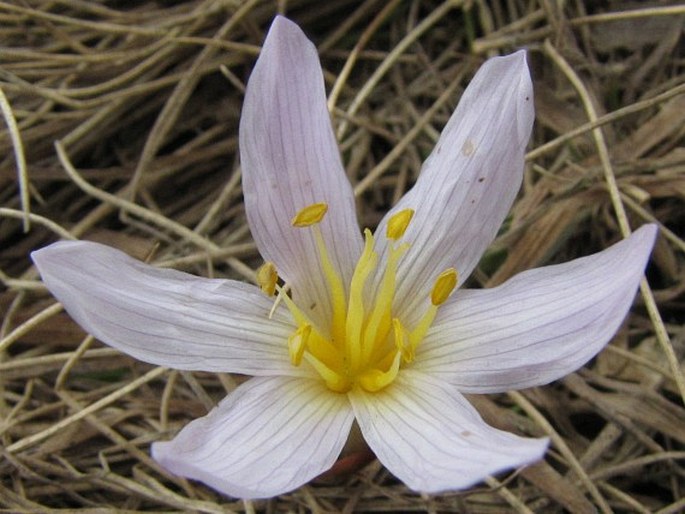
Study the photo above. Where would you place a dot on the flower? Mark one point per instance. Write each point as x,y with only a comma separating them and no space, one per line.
374,328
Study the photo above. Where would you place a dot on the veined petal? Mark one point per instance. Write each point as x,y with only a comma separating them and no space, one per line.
432,439
268,437
469,181
167,317
290,160
538,326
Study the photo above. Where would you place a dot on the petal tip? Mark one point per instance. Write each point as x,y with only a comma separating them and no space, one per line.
521,55
638,245
44,257
158,452
279,24
650,231
510,75
38,256
284,31
538,449
643,241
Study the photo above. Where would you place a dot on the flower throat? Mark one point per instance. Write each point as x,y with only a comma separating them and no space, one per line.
367,343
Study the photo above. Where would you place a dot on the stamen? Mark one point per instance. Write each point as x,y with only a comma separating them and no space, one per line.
444,285
267,278
310,215
297,343
398,223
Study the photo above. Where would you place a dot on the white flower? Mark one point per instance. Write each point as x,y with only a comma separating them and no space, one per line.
371,330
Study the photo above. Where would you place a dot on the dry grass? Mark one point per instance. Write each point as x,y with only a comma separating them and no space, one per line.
144,99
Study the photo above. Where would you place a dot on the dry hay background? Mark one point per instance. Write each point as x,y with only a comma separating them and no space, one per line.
144,98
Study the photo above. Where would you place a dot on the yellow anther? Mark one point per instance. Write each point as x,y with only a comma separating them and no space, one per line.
310,215
267,278
444,285
398,223
297,344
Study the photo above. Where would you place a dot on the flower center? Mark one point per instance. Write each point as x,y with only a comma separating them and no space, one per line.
367,343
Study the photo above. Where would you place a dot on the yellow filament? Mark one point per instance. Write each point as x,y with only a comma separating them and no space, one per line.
421,328
398,223
267,278
300,317
310,215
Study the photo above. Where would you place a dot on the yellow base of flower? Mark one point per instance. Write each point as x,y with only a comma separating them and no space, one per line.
366,344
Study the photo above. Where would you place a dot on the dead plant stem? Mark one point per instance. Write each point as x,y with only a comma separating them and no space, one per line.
31,440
